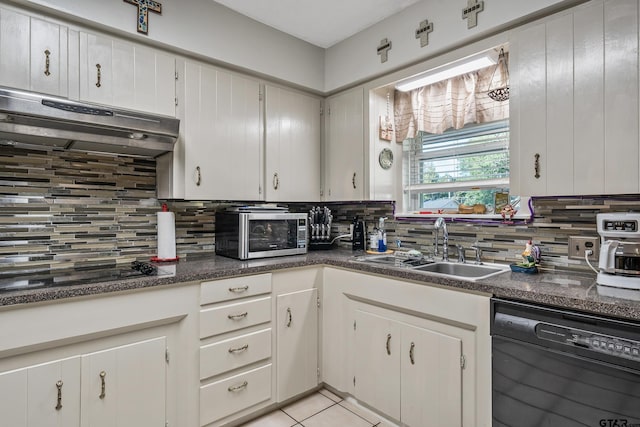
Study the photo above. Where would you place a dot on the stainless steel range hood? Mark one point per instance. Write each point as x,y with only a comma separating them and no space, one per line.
28,118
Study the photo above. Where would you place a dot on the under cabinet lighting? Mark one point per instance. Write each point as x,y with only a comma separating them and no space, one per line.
447,72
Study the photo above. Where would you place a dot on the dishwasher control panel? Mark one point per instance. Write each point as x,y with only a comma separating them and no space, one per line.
614,346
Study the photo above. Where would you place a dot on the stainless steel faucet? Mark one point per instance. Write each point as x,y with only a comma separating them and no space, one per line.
441,224
461,258
478,254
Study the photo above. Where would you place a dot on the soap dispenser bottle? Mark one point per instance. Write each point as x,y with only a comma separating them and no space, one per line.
382,235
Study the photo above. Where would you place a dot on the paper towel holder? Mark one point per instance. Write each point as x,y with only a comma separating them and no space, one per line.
169,259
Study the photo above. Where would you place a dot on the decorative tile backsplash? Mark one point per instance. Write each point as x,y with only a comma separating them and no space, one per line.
61,209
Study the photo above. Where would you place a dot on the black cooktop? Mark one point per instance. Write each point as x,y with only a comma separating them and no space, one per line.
79,276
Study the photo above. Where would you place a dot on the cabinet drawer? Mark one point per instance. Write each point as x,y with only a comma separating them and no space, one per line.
234,353
218,320
236,287
233,394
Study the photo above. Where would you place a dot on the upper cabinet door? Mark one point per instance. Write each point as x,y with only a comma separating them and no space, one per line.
292,146
220,134
123,74
344,147
574,102
33,54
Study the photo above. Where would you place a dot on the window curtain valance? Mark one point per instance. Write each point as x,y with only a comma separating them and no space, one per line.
449,104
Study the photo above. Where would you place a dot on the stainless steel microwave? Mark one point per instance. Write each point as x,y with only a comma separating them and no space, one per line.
260,233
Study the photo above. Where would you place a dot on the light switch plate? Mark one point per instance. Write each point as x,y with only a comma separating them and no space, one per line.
578,245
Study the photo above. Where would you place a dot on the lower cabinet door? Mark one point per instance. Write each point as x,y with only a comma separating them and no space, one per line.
431,377
125,386
41,395
230,395
297,326
377,362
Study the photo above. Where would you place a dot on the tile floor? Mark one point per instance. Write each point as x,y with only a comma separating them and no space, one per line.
321,409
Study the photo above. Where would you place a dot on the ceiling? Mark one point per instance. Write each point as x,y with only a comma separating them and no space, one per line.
319,22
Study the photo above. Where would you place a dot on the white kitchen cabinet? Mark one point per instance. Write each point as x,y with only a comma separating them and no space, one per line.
235,348
123,74
410,373
344,147
292,142
574,102
297,338
377,362
125,386
218,155
450,381
47,394
145,342
33,54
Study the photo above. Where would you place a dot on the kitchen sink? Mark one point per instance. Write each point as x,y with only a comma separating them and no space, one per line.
471,272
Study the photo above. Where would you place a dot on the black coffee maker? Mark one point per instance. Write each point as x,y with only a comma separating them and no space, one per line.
359,235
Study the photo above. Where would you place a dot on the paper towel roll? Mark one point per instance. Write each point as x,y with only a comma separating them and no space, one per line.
166,235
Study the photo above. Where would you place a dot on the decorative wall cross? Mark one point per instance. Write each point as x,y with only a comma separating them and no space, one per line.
470,13
423,31
144,6
383,50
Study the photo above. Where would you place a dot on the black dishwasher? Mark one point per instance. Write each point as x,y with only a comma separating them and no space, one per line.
557,368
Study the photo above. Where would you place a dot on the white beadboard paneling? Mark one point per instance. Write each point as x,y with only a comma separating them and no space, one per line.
559,158
532,97
14,49
588,97
621,96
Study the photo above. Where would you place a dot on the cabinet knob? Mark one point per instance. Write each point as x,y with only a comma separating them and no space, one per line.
98,75
47,62
59,404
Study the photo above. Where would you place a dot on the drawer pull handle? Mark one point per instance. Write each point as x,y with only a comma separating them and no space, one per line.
239,349
389,344
99,75
239,289
536,166
353,180
103,388
238,316
59,386
289,317
411,349
276,181
238,387
47,62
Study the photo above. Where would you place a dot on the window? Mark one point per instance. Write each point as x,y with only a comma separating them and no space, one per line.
453,171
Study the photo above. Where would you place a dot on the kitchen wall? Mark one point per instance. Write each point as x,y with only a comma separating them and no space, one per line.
61,209
214,32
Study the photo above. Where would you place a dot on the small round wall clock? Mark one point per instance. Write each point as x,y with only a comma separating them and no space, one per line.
385,158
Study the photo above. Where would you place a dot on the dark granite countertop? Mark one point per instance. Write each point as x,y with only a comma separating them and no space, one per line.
566,290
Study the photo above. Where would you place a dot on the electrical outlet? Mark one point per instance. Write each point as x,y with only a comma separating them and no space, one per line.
578,245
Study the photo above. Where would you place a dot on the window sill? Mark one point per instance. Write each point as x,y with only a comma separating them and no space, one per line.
472,218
